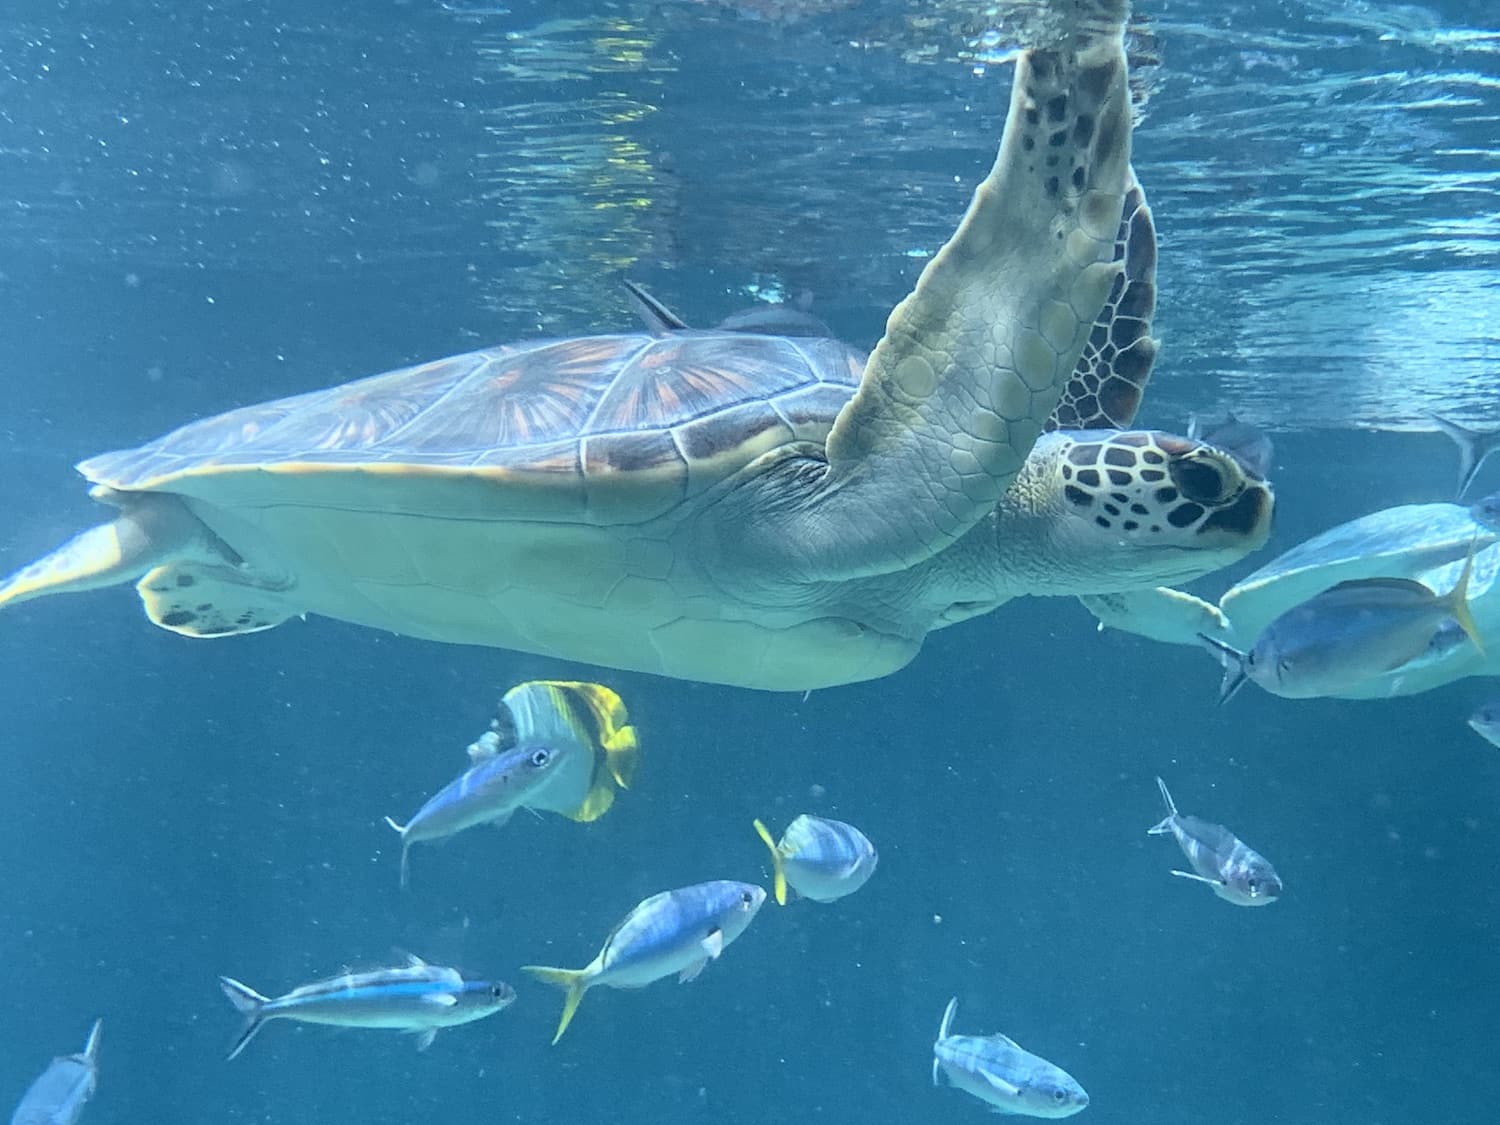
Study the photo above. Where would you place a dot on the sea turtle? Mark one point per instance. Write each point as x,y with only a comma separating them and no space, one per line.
1425,542
767,511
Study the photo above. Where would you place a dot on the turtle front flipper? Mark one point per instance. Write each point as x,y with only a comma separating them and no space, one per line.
151,530
974,361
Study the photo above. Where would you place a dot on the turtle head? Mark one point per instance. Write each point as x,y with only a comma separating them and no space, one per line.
1144,508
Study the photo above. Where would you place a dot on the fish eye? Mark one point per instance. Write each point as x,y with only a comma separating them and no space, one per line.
1252,887
540,757
497,992
1059,1095
747,898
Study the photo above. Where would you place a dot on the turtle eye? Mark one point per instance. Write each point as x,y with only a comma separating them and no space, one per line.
540,757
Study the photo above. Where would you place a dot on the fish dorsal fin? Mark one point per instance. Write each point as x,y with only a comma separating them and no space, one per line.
410,960
660,320
1005,1041
1403,585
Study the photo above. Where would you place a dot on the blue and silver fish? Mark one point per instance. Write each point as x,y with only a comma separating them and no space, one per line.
1002,1074
1347,635
557,746
819,859
60,1092
416,998
1236,872
1485,721
673,932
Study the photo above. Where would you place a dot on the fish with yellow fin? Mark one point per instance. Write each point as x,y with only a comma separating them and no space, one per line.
676,931
1338,640
819,859
555,745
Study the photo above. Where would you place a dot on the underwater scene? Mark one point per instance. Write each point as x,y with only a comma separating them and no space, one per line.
915,559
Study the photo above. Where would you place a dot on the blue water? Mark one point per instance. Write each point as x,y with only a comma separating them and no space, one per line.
208,205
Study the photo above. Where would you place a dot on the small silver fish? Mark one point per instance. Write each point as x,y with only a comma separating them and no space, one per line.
416,998
1236,872
557,746
61,1091
673,932
1485,721
1002,1074
1348,635
820,859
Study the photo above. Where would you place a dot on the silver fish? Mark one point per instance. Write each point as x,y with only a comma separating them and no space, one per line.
820,859
1236,872
416,998
673,932
1485,721
556,746
1002,1074
1347,635
60,1092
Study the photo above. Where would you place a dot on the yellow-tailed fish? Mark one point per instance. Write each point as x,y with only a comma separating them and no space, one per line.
1348,634
673,932
558,746
820,859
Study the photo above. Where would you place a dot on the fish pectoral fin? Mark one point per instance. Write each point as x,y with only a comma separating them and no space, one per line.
440,999
1000,1085
1199,878
425,1038
501,819
1162,827
713,944
690,973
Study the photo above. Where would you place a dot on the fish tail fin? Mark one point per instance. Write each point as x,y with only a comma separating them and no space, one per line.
574,982
778,866
617,746
1457,600
1236,667
405,852
91,1046
249,1004
1165,825
1474,446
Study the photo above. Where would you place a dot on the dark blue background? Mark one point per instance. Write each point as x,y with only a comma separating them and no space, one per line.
205,206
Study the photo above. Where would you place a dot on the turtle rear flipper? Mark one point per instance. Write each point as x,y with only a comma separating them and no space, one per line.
974,362
198,599
150,530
